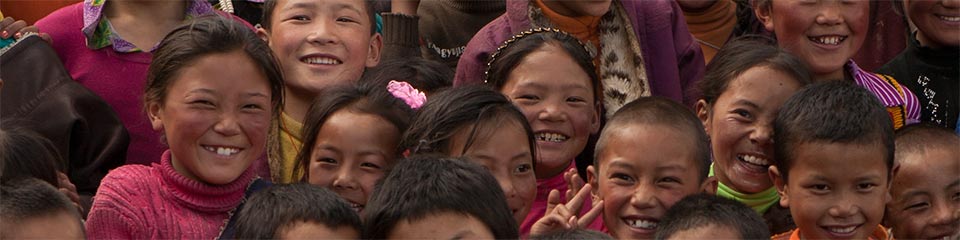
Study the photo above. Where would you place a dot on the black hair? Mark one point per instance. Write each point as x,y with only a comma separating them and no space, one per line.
831,112
266,21
514,50
28,198
702,210
743,54
918,138
661,112
26,154
425,185
475,108
268,212
368,96
426,75
204,36
576,233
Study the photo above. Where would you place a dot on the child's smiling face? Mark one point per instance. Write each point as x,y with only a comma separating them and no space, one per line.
350,160
503,149
835,190
937,21
822,33
740,124
926,196
322,43
556,96
636,185
215,116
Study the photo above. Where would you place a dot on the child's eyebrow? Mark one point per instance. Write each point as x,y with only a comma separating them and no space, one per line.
954,184
747,103
256,94
342,6
308,5
462,234
327,147
912,193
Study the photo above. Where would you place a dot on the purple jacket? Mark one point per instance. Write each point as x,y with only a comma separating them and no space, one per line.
673,59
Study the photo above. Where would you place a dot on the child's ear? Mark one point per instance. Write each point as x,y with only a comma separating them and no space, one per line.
263,34
763,14
373,56
153,111
595,122
781,187
893,173
709,185
592,178
703,114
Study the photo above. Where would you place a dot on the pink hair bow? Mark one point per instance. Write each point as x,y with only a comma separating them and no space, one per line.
410,95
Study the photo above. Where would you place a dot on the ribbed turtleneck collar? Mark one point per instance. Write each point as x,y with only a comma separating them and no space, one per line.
201,196
946,57
476,6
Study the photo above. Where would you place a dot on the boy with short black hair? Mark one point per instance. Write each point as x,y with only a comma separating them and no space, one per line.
30,208
833,158
926,185
438,198
319,44
652,153
297,211
705,216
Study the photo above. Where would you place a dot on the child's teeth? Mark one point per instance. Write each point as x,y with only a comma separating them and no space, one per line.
754,160
843,230
833,40
321,60
642,224
950,19
224,151
551,137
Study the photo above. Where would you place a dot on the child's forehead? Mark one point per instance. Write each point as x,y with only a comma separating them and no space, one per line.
359,5
635,134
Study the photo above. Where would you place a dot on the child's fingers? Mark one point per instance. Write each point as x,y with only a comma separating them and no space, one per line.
13,28
547,224
64,182
588,217
553,199
577,201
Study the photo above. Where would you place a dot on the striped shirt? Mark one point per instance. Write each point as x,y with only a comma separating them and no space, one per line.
897,99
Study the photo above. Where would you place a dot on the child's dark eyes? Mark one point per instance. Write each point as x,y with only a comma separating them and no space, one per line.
346,19
327,160
300,18
743,113
916,206
523,168
622,178
668,180
370,165
576,99
819,188
866,187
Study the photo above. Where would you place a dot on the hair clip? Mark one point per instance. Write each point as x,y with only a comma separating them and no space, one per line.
410,95
517,37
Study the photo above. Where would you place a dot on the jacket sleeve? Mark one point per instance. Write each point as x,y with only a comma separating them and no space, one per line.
689,57
401,36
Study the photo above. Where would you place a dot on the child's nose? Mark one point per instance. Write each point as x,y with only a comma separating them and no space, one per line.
644,196
227,125
830,15
345,180
551,113
762,134
322,34
844,208
945,213
951,3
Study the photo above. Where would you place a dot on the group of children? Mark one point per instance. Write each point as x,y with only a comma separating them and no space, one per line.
782,139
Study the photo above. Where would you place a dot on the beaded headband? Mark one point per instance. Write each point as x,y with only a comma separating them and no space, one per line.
517,37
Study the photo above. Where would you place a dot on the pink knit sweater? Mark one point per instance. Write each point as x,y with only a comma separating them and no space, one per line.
156,202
